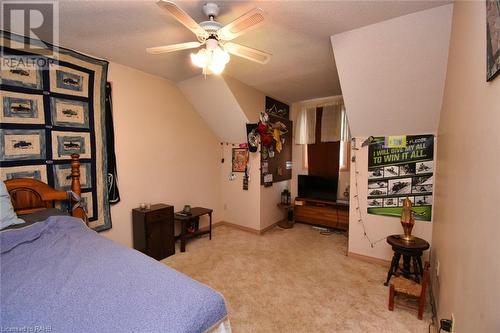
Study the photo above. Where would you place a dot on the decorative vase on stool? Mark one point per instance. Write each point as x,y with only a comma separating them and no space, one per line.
407,220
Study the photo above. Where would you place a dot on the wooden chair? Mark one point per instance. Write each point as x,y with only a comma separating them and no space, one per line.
411,288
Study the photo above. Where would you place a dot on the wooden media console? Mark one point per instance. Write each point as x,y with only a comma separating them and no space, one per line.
328,214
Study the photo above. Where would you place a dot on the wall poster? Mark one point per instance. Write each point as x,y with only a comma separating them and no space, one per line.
400,168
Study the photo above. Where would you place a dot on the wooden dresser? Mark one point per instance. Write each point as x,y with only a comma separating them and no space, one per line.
154,231
329,214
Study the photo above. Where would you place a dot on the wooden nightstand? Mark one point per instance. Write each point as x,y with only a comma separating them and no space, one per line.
154,231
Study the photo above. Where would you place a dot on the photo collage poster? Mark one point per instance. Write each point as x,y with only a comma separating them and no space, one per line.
400,169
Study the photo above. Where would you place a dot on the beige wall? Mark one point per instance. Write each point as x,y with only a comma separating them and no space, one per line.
466,234
252,102
378,227
402,76
241,207
212,99
392,73
269,198
165,151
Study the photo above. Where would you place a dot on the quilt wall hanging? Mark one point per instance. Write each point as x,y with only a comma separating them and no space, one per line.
492,39
401,167
53,105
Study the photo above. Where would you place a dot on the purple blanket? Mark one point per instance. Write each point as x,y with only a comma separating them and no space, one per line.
59,276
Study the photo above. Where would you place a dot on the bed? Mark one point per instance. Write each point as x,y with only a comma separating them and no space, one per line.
58,275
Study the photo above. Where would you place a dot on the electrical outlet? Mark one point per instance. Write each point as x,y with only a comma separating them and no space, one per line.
452,323
437,268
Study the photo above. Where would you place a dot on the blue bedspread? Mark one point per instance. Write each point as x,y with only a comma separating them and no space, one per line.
59,276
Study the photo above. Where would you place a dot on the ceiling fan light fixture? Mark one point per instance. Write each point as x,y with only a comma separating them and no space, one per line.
201,58
215,60
220,55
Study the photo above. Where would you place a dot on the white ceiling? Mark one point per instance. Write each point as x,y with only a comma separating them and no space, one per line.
297,33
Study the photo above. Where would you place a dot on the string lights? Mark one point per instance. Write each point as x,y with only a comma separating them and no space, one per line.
354,161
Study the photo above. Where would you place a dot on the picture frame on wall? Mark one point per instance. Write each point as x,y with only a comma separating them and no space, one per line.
240,159
492,39
277,108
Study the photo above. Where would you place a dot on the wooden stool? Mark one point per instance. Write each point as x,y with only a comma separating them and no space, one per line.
411,251
410,288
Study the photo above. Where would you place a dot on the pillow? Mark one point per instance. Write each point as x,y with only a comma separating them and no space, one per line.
7,214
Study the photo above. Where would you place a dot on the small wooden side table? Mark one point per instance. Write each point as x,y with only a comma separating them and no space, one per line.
196,212
287,222
411,251
153,230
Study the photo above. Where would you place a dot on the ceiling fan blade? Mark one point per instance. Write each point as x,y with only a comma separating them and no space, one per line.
173,47
242,24
248,53
183,17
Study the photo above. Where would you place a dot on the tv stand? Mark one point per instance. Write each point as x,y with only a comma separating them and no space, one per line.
329,214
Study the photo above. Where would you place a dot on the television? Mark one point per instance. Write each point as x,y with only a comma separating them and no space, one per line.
317,187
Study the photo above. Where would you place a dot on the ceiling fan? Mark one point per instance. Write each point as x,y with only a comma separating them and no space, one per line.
215,37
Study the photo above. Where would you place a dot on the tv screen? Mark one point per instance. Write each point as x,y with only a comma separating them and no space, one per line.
316,187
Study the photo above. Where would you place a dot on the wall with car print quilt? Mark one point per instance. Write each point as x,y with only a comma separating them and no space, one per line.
52,107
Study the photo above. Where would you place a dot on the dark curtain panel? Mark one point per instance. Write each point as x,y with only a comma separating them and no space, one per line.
323,157
113,193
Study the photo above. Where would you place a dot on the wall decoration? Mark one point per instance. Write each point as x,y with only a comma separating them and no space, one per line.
240,159
275,148
21,108
397,173
38,172
16,72
252,138
245,180
20,144
68,113
86,202
66,143
277,108
267,179
492,38
62,176
112,179
65,80
396,141
51,108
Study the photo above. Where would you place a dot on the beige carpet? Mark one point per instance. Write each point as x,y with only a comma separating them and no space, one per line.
294,280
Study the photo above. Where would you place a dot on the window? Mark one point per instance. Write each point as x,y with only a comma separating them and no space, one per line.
345,142
324,126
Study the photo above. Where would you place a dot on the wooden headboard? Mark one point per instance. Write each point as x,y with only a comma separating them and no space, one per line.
30,195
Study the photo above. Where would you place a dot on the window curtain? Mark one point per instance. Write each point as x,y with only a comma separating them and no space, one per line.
345,134
305,127
331,122
345,142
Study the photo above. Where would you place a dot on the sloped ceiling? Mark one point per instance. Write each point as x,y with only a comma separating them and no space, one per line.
216,104
296,33
392,73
